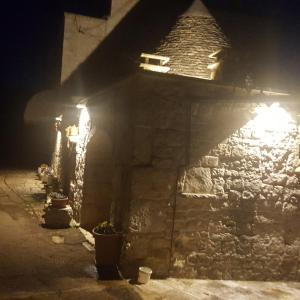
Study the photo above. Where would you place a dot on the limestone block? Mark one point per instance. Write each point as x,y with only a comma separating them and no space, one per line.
276,179
297,171
210,161
197,180
254,186
218,187
223,150
292,182
238,152
219,172
237,184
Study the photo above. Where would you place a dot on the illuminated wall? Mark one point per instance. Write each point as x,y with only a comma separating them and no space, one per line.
236,212
56,162
214,192
76,185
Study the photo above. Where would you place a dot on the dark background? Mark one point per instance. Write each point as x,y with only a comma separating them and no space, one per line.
31,50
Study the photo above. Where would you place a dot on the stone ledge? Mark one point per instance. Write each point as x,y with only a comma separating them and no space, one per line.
198,196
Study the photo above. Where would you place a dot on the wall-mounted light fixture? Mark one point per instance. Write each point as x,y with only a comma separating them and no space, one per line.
58,121
72,133
80,106
272,124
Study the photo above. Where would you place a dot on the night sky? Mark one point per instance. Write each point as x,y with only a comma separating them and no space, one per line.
32,36
32,40
31,51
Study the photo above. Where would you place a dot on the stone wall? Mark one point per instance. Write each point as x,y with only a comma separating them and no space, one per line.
56,162
97,189
106,170
200,189
77,182
237,208
215,183
159,149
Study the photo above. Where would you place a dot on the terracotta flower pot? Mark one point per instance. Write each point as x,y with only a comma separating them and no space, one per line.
59,202
107,248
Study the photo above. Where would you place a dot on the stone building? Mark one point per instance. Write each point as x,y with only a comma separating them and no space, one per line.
195,165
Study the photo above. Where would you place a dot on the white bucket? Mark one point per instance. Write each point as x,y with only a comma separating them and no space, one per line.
144,275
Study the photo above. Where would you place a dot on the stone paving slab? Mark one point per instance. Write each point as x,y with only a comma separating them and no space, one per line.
189,289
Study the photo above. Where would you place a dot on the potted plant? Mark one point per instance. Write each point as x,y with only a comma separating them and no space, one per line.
107,244
41,169
58,200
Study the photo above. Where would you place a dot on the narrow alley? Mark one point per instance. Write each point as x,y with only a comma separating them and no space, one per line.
39,263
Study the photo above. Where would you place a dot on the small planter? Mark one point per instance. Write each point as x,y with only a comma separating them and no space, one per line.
144,275
42,169
58,200
107,248
50,179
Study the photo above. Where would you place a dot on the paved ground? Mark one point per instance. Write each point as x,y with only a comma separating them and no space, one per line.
32,265
38,263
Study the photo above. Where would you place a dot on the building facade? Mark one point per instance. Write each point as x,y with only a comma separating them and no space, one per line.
200,176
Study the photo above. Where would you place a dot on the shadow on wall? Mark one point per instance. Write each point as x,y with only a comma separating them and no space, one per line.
213,124
143,28
244,195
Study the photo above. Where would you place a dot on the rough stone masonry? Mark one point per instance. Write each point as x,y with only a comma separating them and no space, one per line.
246,226
223,175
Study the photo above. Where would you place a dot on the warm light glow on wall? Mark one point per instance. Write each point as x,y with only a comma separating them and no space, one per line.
72,133
56,158
84,120
84,125
272,123
273,118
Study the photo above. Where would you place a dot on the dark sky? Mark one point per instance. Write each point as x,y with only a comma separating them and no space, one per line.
32,34
277,8
274,27
30,60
